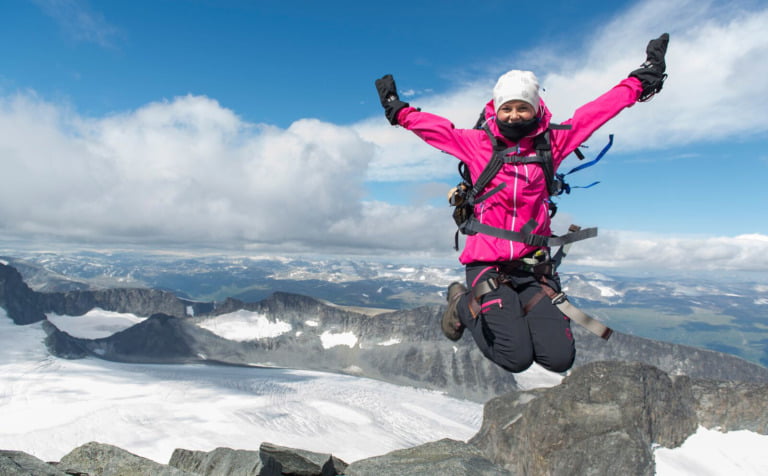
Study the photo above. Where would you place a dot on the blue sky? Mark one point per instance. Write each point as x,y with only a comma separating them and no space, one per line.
256,126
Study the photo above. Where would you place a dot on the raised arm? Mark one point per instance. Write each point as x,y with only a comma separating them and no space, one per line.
436,131
642,84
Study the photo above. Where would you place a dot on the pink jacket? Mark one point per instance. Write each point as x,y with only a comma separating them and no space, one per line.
525,196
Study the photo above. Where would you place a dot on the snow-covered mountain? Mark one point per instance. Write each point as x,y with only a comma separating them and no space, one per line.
724,315
403,347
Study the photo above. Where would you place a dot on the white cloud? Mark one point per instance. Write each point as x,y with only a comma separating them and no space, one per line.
189,171
629,250
185,170
716,72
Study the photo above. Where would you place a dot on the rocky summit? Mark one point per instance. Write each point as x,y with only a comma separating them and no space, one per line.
604,418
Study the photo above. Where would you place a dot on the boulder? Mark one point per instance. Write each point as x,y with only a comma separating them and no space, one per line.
603,419
270,460
219,461
99,459
22,304
18,463
445,457
291,461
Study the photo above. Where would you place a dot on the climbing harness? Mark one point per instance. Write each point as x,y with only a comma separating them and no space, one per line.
540,264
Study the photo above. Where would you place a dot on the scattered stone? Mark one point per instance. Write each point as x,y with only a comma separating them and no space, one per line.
99,459
445,457
18,463
219,461
297,462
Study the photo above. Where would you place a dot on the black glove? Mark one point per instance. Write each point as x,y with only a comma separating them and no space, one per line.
389,99
651,73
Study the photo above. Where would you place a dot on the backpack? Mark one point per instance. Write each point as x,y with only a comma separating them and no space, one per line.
466,195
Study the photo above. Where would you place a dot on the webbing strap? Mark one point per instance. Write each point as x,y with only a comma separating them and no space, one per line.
485,196
573,237
575,314
558,299
596,159
492,168
484,287
544,153
578,316
474,226
561,177
490,171
562,251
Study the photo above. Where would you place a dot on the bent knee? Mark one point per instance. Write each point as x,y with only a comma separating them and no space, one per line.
513,363
558,364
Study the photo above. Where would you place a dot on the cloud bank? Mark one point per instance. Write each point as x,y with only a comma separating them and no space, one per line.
189,171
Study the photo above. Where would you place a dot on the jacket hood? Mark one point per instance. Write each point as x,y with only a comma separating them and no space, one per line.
544,119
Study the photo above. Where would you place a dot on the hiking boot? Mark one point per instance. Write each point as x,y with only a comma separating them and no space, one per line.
452,326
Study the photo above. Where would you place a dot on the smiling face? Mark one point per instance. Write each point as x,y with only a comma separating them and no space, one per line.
515,111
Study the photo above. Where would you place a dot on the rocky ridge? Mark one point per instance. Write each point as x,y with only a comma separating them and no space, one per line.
604,418
401,347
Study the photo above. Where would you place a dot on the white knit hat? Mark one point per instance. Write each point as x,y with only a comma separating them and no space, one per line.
516,85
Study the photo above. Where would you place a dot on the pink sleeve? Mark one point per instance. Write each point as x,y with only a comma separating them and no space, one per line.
438,132
591,116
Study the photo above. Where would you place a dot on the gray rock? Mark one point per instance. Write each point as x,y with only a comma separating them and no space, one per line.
217,462
26,306
18,463
603,419
99,459
21,304
729,406
61,344
296,462
270,460
675,359
139,301
445,457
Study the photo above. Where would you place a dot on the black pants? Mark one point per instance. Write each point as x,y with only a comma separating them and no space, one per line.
507,336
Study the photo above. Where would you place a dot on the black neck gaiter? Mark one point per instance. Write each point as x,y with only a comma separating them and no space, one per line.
515,131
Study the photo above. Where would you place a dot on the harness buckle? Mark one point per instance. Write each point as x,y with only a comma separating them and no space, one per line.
559,299
488,286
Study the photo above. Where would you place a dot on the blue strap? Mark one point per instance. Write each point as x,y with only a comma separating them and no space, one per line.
567,188
596,160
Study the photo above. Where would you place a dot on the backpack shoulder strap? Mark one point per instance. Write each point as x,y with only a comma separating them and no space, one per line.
544,154
492,168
